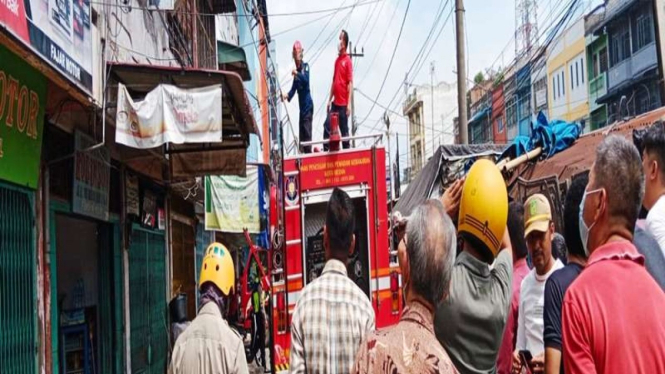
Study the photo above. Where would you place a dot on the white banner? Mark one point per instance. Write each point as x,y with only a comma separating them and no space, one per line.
232,202
169,114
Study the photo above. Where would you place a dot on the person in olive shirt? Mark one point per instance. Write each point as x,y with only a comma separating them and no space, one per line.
470,323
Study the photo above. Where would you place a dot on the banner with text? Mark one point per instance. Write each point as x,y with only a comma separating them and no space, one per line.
92,176
169,114
22,93
59,30
232,202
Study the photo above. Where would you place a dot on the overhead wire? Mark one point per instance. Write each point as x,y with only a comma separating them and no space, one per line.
390,64
420,56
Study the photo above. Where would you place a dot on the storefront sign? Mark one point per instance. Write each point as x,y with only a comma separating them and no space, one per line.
232,202
132,194
22,91
92,175
169,114
59,30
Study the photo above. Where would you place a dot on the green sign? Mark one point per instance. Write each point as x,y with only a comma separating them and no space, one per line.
22,93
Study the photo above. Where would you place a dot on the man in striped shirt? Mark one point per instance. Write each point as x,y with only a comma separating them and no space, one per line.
333,315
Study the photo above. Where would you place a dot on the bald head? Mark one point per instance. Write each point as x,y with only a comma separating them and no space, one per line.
431,247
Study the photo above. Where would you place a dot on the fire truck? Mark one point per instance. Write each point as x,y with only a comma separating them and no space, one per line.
307,182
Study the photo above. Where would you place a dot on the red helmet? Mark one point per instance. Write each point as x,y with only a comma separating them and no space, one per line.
297,47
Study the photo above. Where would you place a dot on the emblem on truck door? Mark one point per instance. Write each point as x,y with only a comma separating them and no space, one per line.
292,196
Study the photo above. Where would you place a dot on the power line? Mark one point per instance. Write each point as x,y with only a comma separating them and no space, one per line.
406,12
420,54
383,39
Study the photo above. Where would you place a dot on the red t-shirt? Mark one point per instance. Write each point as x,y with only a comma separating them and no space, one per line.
343,75
613,318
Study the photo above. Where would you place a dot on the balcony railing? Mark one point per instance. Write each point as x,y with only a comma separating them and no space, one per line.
632,66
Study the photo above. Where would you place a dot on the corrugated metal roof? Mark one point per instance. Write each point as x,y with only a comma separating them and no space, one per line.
582,154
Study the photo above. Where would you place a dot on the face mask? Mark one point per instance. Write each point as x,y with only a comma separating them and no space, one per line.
584,230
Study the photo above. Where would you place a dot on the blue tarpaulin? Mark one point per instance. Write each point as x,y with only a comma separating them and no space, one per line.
553,137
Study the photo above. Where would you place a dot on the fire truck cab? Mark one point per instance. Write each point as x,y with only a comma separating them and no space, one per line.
308,181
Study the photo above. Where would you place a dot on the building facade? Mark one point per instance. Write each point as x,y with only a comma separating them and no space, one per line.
597,66
566,71
95,236
430,111
633,74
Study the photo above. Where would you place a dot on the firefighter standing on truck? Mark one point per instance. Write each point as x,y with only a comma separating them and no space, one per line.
301,85
341,91
209,345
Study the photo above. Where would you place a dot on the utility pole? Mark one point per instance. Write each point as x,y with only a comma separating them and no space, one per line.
354,125
461,73
431,83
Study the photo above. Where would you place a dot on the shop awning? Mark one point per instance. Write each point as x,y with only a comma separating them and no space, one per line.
483,113
232,58
227,157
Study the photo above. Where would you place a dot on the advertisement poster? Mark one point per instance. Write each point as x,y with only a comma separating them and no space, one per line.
169,115
92,178
59,30
232,202
22,102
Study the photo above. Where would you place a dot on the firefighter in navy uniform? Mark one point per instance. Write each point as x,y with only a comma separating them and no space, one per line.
209,344
301,85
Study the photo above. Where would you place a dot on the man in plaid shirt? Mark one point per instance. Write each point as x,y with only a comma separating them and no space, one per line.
333,315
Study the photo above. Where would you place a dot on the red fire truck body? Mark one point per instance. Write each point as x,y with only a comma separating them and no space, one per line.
308,181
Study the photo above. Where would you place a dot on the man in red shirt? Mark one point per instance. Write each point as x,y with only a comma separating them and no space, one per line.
341,91
612,313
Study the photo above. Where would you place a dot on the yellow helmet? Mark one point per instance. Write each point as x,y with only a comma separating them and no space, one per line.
218,268
483,210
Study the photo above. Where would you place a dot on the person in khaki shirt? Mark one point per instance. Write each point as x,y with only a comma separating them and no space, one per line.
209,345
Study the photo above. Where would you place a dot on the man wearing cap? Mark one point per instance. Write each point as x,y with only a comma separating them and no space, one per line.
538,232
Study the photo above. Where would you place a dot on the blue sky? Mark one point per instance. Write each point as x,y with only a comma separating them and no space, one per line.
490,26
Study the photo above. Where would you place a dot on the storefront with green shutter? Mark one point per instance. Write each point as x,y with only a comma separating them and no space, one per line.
22,95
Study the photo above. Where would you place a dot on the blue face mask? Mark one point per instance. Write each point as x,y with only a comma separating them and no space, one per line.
584,229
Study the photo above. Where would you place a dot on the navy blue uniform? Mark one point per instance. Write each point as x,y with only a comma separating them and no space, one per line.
301,85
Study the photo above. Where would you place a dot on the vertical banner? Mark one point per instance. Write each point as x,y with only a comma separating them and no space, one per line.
232,202
92,175
22,93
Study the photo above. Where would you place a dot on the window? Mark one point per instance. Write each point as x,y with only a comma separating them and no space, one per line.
577,74
499,125
554,88
572,80
602,60
644,31
563,85
620,46
582,68
595,65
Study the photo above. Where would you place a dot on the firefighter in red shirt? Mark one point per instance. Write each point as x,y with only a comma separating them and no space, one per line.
341,90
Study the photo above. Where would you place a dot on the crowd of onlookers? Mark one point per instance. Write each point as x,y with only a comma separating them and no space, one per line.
488,285
519,295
